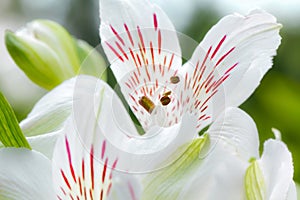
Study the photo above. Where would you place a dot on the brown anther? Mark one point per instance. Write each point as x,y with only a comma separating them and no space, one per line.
147,104
167,93
174,79
165,100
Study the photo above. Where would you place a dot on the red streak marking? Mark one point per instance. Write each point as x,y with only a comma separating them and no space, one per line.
155,21
59,197
85,195
152,56
165,60
80,186
132,97
109,188
120,48
204,103
141,38
206,56
203,66
104,170
198,103
224,56
209,81
210,87
82,169
131,191
136,77
185,81
101,194
143,91
173,108
160,67
129,35
139,60
77,197
71,196
171,61
103,149
220,81
114,165
218,47
64,192
130,83
114,51
203,109
135,108
133,57
147,72
92,165
206,118
127,84
91,194
202,116
156,83
70,159
196,69
231,68
133,80
159,42
117,35
65,179
143,55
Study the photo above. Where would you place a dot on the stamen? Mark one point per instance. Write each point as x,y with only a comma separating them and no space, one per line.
174,79
165,100
147,104
167,93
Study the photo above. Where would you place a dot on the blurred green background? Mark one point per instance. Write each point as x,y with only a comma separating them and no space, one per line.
276,103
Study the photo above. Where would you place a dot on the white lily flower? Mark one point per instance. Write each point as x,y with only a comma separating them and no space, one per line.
82,166
271,176
144,52
267,177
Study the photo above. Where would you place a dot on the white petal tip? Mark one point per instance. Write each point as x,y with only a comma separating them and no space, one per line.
277,134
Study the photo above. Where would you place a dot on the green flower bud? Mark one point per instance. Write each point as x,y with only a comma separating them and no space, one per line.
49,55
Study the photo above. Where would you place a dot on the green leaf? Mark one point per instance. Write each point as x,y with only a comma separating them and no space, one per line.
254,182
10,132
167,183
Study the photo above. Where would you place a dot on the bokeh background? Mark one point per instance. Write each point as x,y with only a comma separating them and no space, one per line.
276,103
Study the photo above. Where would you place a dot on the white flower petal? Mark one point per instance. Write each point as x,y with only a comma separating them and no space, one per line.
277,167
231,60
50,111
125,186
220,176
237,130
44,143
25,175
143,49
82,163
292,193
